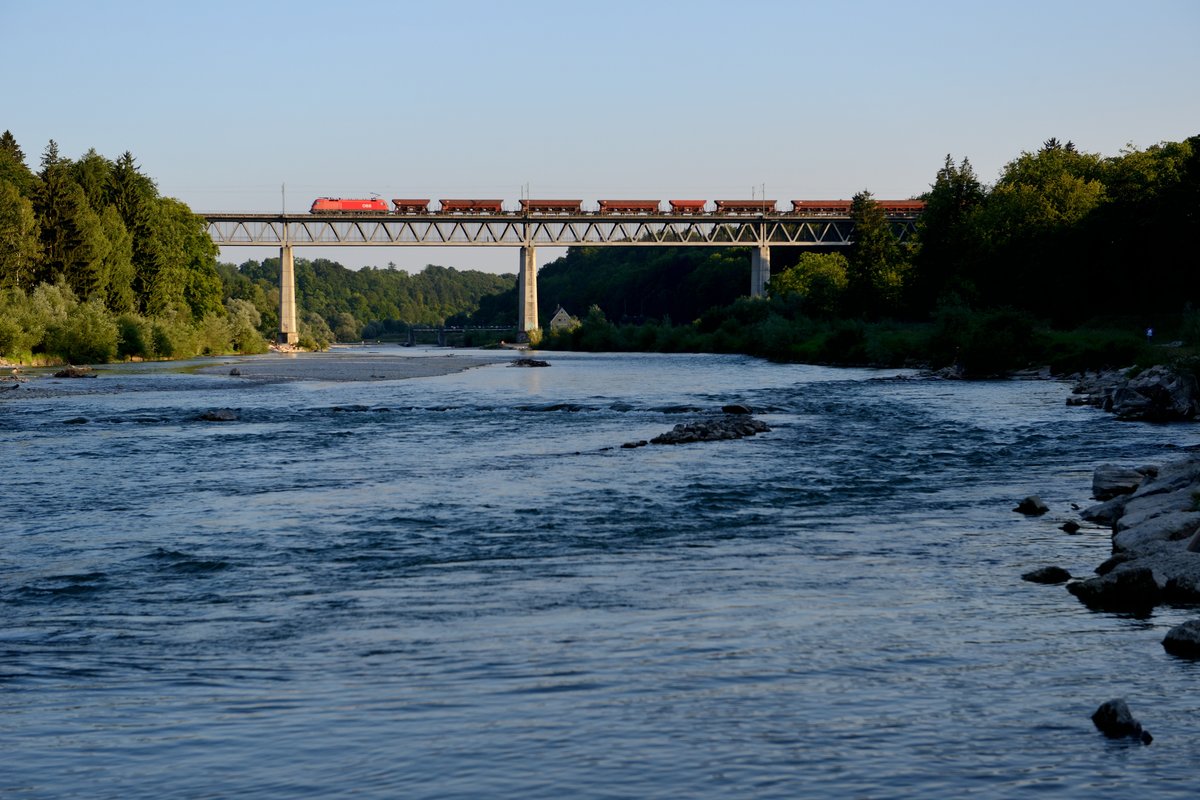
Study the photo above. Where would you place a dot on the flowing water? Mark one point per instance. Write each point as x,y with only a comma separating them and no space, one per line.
462,587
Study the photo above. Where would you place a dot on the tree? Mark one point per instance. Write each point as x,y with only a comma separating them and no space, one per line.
20,241
946,249
819,279
12,166
875,268
73,243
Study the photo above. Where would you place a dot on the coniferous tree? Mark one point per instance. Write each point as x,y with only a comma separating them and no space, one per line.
874,260
20,242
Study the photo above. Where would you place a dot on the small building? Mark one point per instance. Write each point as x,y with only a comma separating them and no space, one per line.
562,321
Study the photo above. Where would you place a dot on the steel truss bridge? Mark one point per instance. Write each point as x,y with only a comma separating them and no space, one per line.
519,230
527,231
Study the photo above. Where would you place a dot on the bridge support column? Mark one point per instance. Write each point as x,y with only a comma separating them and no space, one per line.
760,270
527,299
289,331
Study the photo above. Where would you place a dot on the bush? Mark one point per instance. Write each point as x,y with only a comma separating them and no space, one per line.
136,337
88,335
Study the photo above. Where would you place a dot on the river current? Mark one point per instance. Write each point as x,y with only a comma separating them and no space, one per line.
463,587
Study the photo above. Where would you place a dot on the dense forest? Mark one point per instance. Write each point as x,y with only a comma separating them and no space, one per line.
1069,259
96,265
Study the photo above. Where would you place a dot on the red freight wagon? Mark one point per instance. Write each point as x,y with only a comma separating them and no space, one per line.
471,207
342,205
687,206
902,207
552,206
745,206
629,206
411,206
821,208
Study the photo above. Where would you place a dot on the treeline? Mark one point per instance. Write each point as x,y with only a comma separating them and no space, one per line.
1067,259
340,304
96,265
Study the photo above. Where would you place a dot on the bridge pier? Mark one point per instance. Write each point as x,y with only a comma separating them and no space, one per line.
289,331
760,270
527,299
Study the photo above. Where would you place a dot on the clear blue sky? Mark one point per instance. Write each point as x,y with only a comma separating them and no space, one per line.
222,102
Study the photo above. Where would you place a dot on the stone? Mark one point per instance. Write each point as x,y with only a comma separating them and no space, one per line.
1070,526
219,415
529,362
1106,513
1032,506
1184,640
1110,480
631,445
235,371
735,408
1133,589
75,372
1115,720
1047,575
729,427
75,421
1193,545
1151,533
1112,563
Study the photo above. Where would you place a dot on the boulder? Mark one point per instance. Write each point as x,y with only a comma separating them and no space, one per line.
731,426
1151,533
1184,640
1130,589
1110,480
1032,506
529,362
1070,526
1115,720
1140,509
1106,513
219,415
1047,575
75,372
735,408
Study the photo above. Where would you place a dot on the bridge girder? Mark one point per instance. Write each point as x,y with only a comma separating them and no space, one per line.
230,230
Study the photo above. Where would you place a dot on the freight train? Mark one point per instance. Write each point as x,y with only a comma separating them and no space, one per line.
804,208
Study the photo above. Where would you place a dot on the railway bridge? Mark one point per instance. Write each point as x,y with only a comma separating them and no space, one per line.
754,224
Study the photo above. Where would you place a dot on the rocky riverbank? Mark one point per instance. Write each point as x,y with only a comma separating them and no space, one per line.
1154,514
1157,394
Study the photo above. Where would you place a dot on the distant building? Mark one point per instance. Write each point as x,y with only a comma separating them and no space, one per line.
562,321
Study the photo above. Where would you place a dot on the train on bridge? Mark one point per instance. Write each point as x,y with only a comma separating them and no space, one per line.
804,208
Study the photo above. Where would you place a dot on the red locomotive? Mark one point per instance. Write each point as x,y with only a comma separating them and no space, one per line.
343,205
629,206
552,206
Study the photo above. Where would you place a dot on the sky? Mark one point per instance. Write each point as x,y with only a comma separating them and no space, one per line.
256,106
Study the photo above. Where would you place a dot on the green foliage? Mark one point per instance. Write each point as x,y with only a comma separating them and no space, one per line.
819,280
88,335
135,337
20,239
877,263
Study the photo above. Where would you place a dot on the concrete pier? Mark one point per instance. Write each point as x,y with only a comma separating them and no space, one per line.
527,299
289,331
760,270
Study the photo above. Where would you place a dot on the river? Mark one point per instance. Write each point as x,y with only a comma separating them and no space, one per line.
462,587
